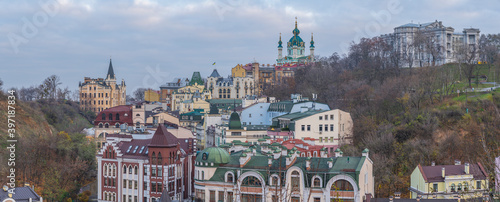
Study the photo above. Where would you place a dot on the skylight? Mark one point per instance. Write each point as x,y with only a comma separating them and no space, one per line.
129,148
135,149
142,149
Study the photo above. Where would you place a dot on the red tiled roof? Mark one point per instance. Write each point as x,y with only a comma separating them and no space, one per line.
125,115
163,138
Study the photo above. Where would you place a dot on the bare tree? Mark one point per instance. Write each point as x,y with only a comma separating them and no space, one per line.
467,55
139,94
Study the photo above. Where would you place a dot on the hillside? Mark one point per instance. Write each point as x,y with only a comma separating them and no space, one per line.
49,147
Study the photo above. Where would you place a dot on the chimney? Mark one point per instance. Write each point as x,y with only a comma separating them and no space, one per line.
365,152
442,172
337,153
368,197
308,163
457,162
466,165
270,160
433,163
330,163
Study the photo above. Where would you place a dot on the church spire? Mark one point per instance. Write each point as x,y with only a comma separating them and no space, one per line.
312,41
280,43
111,73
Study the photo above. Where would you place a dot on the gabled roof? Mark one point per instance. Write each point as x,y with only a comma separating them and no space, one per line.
163,138
215,74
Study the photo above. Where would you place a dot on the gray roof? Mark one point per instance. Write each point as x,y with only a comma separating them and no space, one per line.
111,73
416,25
215,74
21,194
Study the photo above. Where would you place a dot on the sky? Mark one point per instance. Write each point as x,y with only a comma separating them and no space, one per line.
152,42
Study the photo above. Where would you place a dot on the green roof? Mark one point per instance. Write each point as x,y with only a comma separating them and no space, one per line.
299,115
234,121
214,155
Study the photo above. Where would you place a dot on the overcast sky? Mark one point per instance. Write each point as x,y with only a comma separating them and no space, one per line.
152,42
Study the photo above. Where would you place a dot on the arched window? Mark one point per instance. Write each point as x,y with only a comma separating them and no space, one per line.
124,169
160,160
220,91
135,170
103,116
105,170
342,185
274,180
153,158
129,169
251,181
114,171
117,116
459,188
317,182
229,177
106,125
100,125
453,187
224,90
466,186
117,125
110,116
295,181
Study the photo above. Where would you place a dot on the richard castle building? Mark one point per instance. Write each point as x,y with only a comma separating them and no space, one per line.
100,94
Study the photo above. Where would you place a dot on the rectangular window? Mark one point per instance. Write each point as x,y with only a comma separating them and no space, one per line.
212,196
160,187
135,198
229,196
124,198
317,199
331,127
435,187
130,184
326,117
320,127
221,196
153,172
308,127
153,186
250,115
135,184
331,117
321,139
160,173
326,127
145,170
303,127
145,187
320,118
478,184
124,183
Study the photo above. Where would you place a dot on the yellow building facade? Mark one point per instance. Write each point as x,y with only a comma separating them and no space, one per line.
99,94
449,181
151,96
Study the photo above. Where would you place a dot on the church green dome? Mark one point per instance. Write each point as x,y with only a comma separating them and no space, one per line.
296,40
234,121
214,155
